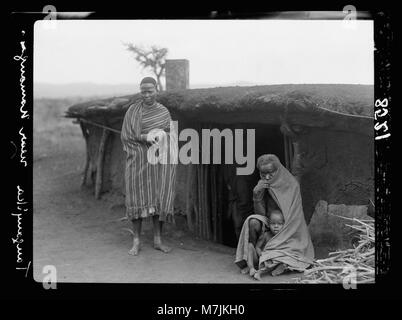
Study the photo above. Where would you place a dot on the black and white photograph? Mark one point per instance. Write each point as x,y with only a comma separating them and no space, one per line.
204,151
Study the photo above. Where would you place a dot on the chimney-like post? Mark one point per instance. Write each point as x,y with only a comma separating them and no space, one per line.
177,74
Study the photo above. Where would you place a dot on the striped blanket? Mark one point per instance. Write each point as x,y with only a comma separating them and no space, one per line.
150,188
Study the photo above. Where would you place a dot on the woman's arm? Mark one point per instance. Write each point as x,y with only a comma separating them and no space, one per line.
259,207
258,198
259,203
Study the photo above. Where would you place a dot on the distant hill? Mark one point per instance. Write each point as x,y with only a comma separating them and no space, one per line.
87,89
47,90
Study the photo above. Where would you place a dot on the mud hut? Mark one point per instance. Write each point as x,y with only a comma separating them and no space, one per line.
322,133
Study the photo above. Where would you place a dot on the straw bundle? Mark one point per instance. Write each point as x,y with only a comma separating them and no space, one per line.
347,266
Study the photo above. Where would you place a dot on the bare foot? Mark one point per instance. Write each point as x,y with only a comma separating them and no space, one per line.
279,270
162,247
252,272
245,270
135,249
257,276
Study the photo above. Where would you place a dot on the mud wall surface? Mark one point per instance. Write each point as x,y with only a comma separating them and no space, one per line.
339,169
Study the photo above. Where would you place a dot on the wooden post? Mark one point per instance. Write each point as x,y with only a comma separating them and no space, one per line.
195,202
290,152
201,224
99,164
207,203
214,203
202,200
296,161
199,198
293,148
220,204
285,145
87,157
189,196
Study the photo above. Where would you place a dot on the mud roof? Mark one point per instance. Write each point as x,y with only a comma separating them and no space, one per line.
336,106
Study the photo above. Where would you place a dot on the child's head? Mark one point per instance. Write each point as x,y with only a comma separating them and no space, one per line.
276,221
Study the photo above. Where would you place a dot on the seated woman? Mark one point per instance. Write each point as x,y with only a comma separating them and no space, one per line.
291,248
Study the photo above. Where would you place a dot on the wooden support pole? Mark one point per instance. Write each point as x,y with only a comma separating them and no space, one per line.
220,204
207,202
214,203
99,164
290,153
201,194
87,157
189,196
202,201
195,202
296,161
199,200
285,145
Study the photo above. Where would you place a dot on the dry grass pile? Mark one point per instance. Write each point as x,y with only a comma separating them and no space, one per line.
344,266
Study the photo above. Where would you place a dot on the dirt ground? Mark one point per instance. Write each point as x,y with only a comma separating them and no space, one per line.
84,240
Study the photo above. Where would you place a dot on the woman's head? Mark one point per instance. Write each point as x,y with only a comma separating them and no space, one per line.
268,165
276,221
148,90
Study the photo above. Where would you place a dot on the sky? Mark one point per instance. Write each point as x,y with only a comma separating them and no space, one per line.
220,51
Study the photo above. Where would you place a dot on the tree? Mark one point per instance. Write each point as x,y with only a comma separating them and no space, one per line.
153,58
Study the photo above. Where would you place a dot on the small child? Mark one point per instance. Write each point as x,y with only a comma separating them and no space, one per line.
254,253
276,222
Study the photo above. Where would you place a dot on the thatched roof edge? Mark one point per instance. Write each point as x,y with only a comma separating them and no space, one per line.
349,103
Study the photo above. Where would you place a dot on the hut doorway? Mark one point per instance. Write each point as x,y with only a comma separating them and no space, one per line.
268,140
214,191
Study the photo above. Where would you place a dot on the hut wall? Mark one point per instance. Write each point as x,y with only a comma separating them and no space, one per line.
115,165
93,142
340,169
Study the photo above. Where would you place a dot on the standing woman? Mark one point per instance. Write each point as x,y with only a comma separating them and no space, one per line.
150,187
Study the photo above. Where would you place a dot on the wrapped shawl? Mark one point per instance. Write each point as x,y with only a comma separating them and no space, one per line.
292,245
150,187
